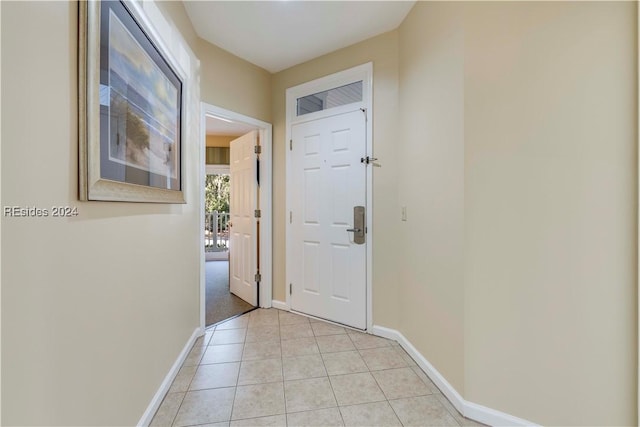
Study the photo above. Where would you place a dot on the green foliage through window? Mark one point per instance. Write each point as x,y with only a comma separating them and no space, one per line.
216,193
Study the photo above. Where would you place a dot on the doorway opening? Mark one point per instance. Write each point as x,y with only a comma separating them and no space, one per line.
220,302
216,205
236,215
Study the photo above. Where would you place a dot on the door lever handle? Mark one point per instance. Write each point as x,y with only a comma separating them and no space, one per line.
359,225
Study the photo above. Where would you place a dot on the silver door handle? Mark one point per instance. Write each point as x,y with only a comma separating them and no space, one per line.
358,225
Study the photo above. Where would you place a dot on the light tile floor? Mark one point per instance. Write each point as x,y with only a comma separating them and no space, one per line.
274,368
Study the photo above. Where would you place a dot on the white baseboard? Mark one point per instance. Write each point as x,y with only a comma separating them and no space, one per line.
492,417
279,305
468,409
445,387
168,380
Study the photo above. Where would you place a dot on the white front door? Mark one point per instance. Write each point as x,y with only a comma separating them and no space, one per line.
243,202
328,180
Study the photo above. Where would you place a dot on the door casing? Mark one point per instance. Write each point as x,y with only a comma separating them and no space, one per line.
362,72
265,192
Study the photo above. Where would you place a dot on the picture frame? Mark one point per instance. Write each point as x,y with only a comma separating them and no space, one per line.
131,106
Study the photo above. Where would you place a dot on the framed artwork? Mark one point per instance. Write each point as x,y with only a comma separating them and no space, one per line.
131,109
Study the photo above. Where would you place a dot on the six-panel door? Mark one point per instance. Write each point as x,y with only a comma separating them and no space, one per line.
328,181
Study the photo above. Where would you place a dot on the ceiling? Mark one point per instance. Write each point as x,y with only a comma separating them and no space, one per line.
276,35
223,127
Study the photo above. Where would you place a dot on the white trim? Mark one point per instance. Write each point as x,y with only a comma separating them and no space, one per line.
492,417
362,72
368,92
266,220
217,169
200,206
142,11
335,111
279,305
1,223
468,409
147,417
265,190
447,389
216,256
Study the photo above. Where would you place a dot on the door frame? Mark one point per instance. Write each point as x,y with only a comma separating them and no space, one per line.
265,196
362,72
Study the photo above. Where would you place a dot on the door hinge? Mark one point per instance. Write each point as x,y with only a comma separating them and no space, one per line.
290,288
290,217
290,144
258,277
257,213
257,149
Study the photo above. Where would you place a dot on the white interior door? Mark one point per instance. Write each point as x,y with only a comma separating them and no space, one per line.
243,231
328,180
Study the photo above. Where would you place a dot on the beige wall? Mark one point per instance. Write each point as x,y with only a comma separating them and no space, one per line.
232,83
519,137
219,140
174,11
383,51
550,210
227,81
0,222
509,132
514,274
431,186
95,309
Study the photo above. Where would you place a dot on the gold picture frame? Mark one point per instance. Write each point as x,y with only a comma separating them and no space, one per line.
130,109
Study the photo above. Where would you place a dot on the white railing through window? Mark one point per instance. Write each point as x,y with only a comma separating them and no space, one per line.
216,231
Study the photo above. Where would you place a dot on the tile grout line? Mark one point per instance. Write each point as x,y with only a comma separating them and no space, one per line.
284,392
235,391
449,411
339,410
394,411
175,417
197,366
244,342
331,385
387,397
359,352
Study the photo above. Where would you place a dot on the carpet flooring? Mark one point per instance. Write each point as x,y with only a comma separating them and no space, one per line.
219,302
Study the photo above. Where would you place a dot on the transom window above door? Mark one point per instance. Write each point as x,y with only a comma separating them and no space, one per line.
335,97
